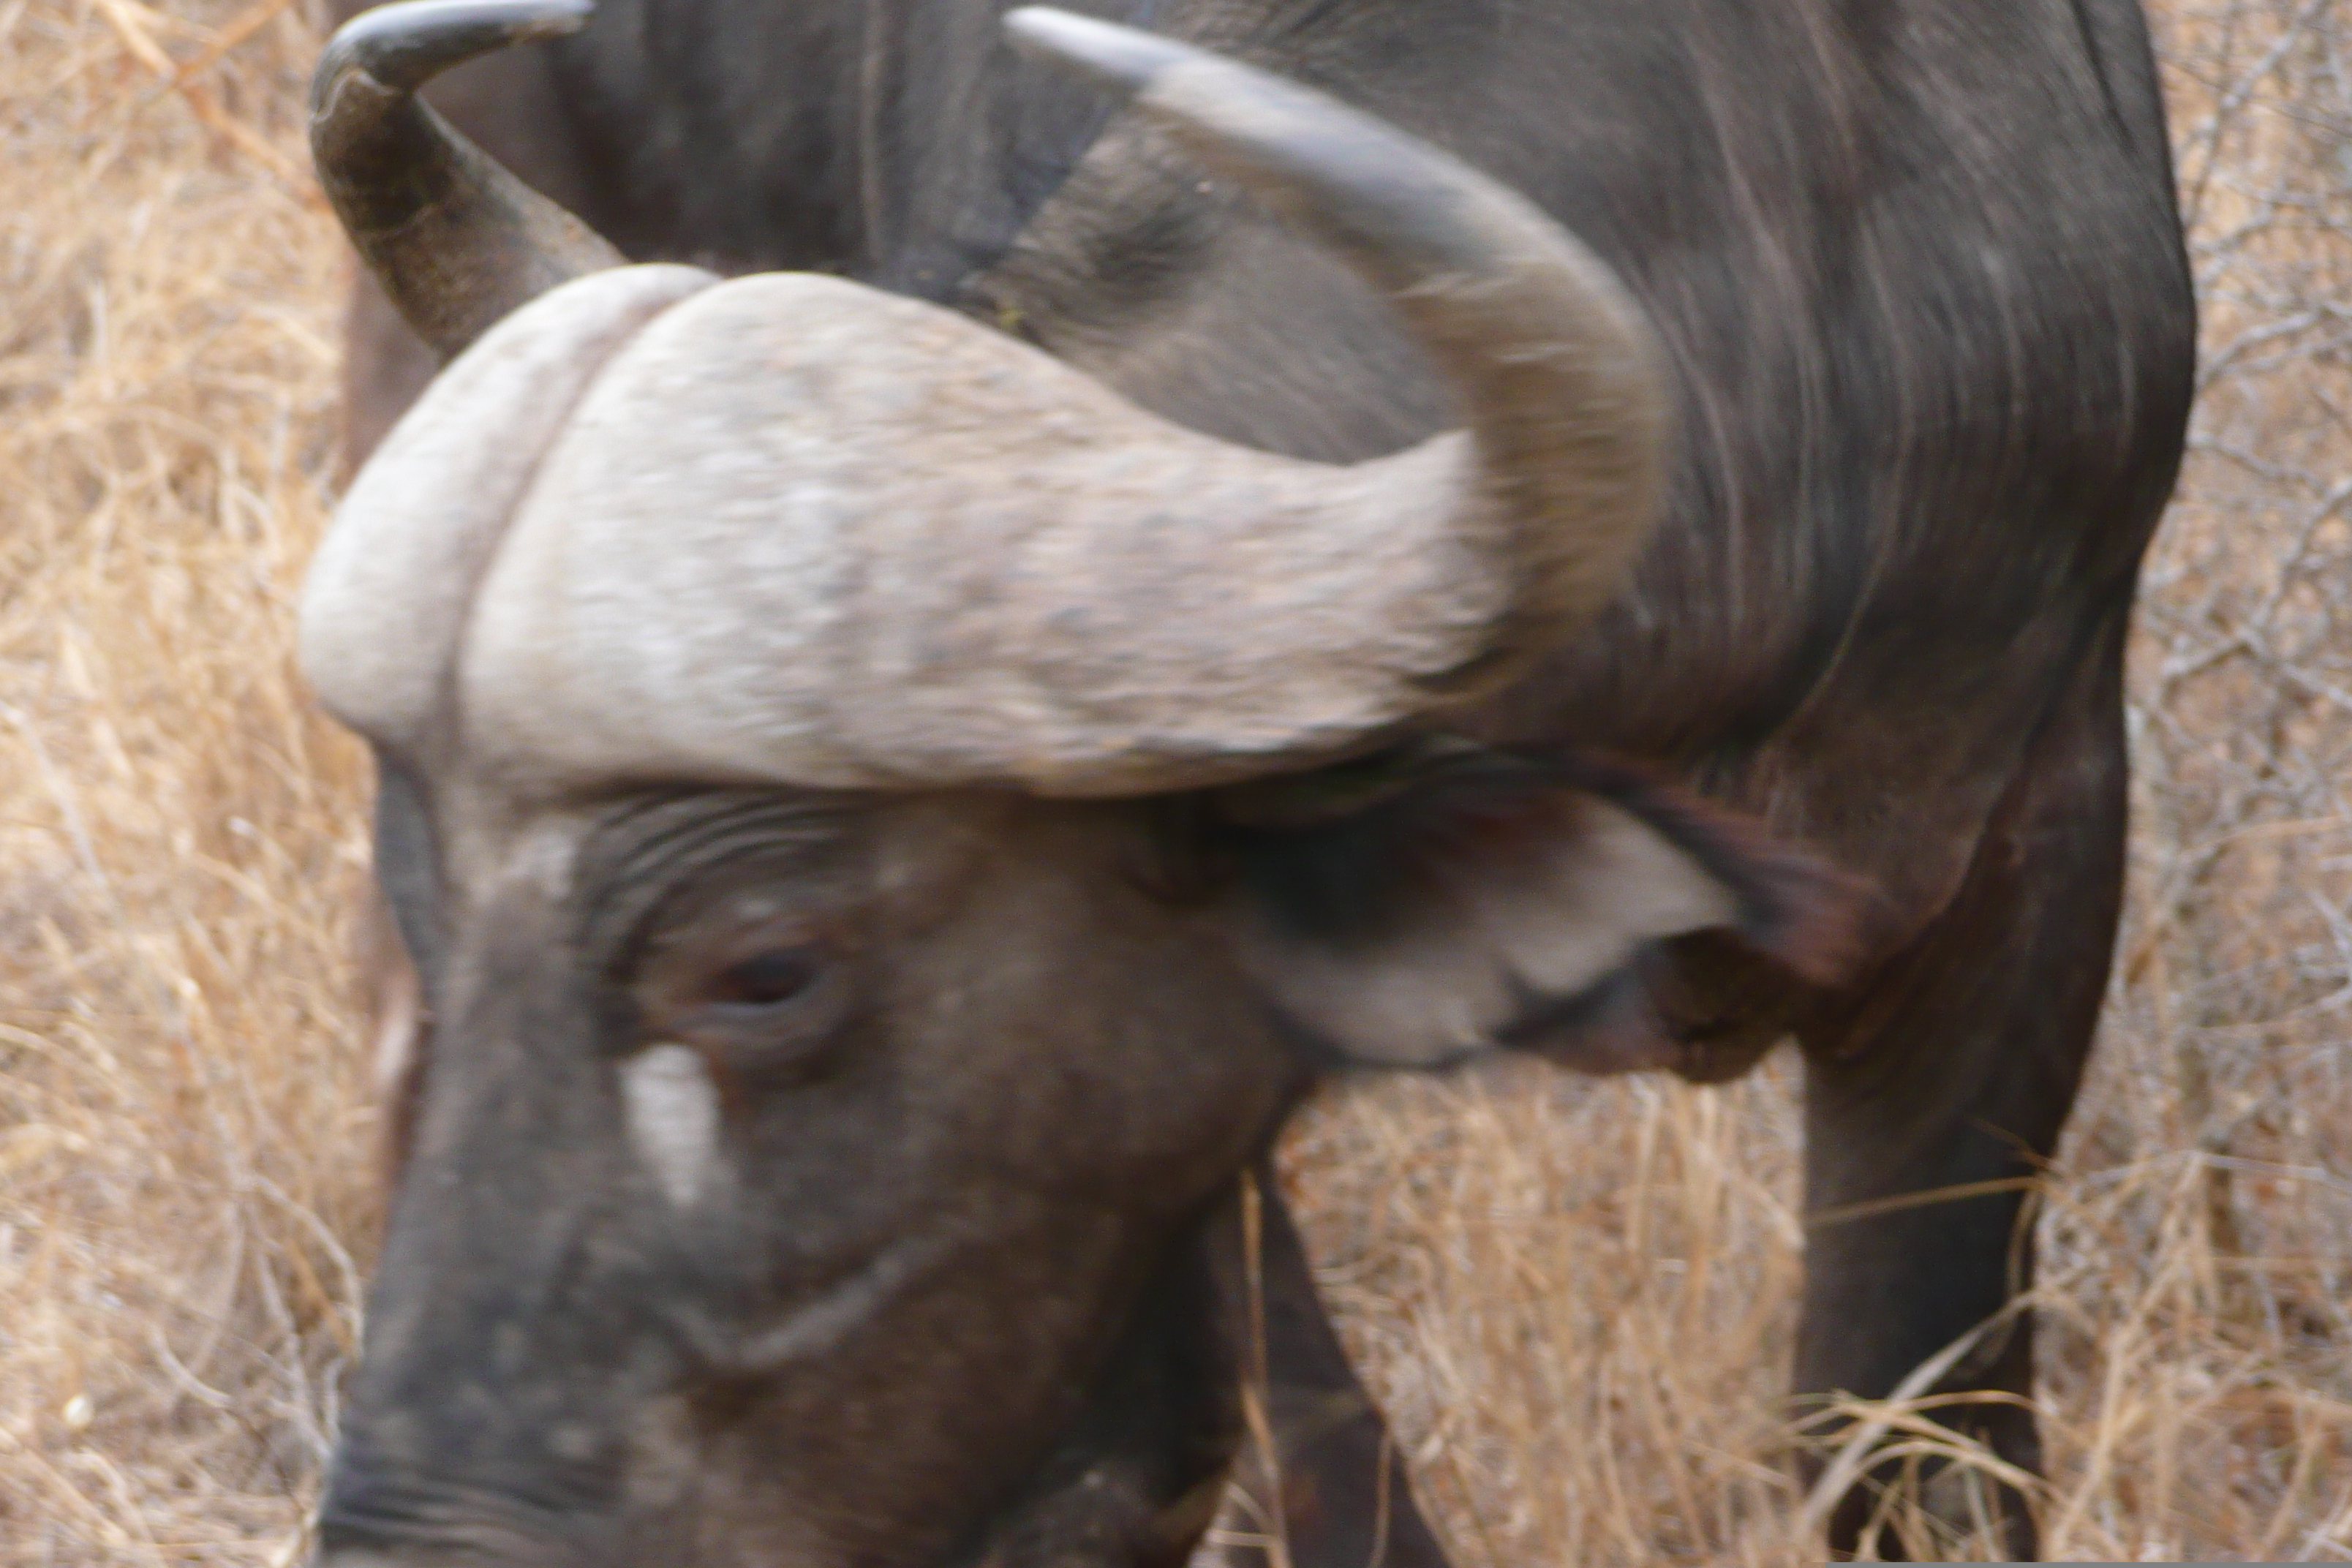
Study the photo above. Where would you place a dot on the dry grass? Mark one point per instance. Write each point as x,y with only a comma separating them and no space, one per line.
1577,1298
181,1123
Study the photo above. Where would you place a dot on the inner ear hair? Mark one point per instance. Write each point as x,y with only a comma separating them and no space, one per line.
1345,854
1795,906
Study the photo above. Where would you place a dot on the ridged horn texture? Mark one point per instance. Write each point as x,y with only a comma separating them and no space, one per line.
1552,359
456,240
788,529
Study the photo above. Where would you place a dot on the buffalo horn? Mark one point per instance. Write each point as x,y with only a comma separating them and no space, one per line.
1553,360
456,240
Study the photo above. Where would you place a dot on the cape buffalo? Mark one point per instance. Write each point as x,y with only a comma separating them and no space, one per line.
898,769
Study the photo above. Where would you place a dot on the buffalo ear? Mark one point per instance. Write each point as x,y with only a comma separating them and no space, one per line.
1427,906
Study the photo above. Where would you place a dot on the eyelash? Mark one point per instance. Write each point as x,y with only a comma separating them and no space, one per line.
752,975
769,1014
772,978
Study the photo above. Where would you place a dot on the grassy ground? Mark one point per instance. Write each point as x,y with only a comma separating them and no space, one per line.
1577,1298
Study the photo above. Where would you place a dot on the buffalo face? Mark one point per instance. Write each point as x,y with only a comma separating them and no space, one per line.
786,1166
789,1165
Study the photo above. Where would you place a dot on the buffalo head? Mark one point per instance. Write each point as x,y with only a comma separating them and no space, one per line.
887,827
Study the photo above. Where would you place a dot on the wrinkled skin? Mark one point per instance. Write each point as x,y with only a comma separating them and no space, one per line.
1920,277
843,1178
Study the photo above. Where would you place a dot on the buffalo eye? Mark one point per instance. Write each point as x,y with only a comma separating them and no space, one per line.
758,1008
769,979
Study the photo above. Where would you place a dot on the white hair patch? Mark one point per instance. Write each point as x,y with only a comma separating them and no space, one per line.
671,1107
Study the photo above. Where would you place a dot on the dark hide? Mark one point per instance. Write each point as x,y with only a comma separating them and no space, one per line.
1919,274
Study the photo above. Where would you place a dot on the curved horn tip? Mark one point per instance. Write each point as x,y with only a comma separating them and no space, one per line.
1110,54
402,47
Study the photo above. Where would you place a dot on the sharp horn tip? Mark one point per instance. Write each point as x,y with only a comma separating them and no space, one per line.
404,45
1110,55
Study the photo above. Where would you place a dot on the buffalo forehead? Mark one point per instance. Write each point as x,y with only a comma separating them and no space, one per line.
386,598
799,531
